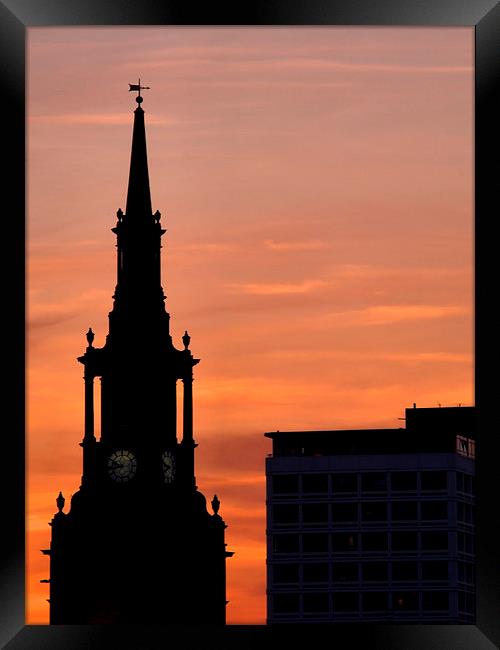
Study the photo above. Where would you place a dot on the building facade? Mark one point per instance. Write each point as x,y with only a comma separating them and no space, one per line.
373,525
138,544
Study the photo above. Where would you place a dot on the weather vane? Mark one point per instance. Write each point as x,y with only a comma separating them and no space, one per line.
138,87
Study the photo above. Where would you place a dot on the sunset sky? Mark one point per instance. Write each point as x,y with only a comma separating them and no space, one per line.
317,189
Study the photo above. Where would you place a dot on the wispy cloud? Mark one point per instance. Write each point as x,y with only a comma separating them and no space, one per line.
390,314
209,247
277,288
310,245
97,119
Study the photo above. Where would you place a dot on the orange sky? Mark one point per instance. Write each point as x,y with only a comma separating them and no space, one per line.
317,189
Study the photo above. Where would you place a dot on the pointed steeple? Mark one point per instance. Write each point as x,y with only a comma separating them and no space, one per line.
139,195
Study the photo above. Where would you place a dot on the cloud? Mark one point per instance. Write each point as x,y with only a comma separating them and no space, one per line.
311,245
277,288
98,119
390,314
53,317
209,247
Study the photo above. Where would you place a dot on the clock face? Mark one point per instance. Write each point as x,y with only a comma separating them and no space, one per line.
168,467
122,465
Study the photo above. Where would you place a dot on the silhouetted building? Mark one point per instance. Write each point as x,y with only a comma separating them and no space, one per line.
138,543
375,524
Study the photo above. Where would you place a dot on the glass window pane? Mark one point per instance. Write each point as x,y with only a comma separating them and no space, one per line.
315,513
374,482
345,571
315,572
374,511
286,543
375,601
285,603
404,571
435,600
405,541
315,543
344,512
315,483
374,571
286,514
435,541
315,602
285,573
435,480
345,483
344,542
433,510
435,570
285,484
403,601
374,541
404,511
403,481
345,602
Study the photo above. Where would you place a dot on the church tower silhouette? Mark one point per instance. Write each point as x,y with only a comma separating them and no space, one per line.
138,544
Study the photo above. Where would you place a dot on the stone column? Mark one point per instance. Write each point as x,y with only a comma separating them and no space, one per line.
89,406
187,431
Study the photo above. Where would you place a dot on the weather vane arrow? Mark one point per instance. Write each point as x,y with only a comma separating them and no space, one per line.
138,87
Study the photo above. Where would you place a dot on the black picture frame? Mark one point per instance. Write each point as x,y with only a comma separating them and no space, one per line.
18,15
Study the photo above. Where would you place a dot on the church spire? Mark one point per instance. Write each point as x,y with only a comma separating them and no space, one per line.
139,195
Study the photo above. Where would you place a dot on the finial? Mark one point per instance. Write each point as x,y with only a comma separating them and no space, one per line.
186,339
119,214
215,504
138,87
90,337
157,216
60,501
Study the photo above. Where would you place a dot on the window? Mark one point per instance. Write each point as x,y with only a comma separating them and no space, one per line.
285,573
465,483
404,511
435,570
464,513
374,482
286,514
286,543
465,542
344,483
316,603
315,543
404,481
344,512
435,541
404,571
286,603
374,541
465,572
434,510
345,572
403,601
314,513
374,511
405,541
285,484
315,483
316,572
375,601
465,602
435,600
434,481
344,542
374,571
345,602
